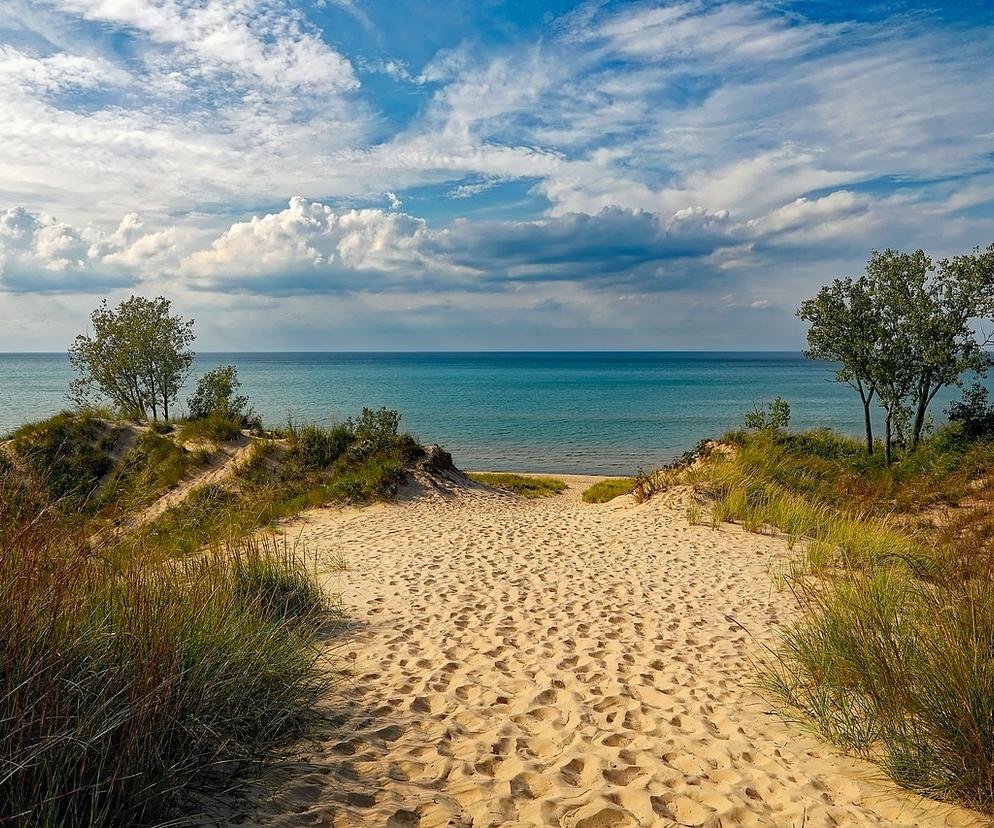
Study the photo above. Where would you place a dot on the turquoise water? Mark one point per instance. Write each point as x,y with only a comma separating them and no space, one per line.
597,413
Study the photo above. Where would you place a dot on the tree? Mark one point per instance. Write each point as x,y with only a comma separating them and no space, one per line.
137,357
903,331
845,329
217,393
928,317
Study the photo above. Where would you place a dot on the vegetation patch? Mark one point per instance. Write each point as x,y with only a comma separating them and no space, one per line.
609,489
521,484
155,464
894,574
68,453
125,689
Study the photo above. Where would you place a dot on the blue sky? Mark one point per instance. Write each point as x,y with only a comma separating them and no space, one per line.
358,174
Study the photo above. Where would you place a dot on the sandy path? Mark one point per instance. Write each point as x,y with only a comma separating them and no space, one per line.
550,662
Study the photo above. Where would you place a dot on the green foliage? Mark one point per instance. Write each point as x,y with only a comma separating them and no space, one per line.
974,413
520,484
125,689
217,394
771,416
373,430
312,448
138,357
609,489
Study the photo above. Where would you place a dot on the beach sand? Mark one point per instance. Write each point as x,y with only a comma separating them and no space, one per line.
551,662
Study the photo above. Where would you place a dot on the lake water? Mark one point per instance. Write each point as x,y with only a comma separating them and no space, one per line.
597,413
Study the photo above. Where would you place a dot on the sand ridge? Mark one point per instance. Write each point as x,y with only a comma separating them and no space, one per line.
551,662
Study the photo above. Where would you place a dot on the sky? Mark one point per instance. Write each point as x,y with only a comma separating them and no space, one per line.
476,174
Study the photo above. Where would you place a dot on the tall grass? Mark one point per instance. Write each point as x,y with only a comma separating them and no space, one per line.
124,689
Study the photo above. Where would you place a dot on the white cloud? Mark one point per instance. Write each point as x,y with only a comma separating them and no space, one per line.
249,38
40,253
311,246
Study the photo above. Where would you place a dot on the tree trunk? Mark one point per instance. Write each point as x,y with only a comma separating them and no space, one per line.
867,420
888,457
923,401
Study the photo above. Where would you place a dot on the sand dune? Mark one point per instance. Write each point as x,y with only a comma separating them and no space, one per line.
550,662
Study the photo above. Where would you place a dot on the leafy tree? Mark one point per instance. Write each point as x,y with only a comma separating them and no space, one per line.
217,393
903,331
928,315
845,329
137,357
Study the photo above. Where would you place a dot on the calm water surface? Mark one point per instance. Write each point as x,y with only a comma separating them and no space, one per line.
597,413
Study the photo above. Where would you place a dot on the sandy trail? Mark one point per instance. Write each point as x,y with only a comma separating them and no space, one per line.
551,662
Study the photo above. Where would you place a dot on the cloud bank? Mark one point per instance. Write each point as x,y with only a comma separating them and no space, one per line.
728,155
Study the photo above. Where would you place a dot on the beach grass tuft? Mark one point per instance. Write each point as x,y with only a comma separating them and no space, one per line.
609,489
521,484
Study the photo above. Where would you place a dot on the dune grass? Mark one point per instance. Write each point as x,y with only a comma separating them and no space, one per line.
609,489
214,428
125,689
520,484
67,454
890,656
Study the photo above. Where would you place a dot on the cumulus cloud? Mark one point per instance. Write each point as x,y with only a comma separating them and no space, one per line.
40,253
312,247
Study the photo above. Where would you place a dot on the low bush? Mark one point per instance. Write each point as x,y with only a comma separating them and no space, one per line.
68,453
312,448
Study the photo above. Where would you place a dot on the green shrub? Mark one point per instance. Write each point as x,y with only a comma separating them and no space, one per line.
217,393
373,430
974,413
313,448
69,452
214,428
772,416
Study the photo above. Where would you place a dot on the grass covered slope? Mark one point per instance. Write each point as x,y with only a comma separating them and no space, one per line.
891,654
520,484
143,665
